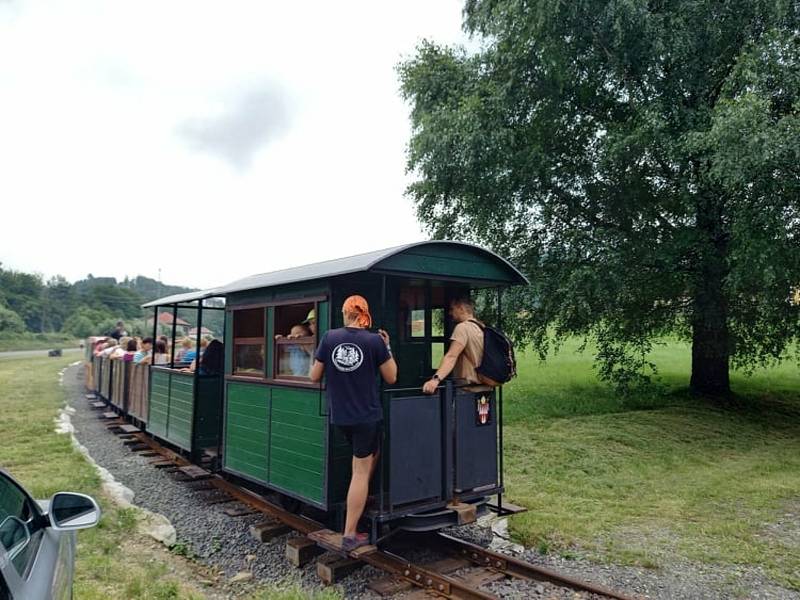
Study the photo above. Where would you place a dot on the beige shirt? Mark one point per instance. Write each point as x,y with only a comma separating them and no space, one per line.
471,336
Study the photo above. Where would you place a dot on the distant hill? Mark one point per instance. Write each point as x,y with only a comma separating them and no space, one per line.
29,304
147,288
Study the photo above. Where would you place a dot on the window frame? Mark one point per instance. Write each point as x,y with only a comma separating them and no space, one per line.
265,378
294,379
249,341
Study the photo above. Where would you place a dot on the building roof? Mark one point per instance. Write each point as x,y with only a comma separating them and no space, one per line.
165,318
203,331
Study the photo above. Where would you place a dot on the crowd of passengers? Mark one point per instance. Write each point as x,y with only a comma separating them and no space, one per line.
118,345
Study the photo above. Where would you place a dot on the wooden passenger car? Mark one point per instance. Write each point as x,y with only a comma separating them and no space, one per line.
436,455
442,455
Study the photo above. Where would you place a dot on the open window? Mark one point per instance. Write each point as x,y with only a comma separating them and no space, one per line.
295,340
248,342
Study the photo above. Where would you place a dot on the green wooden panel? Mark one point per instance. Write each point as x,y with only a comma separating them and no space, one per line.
297,443
270,333
297,435
323,320
288,291
181,411
449,262
247,430
208,409
159,404
228,342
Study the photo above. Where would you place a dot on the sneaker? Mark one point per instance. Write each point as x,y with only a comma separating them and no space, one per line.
351,543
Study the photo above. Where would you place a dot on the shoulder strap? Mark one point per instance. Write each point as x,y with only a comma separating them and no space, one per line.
482,328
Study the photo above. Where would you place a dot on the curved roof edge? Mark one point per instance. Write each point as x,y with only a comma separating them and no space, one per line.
178,298
521,279
349,265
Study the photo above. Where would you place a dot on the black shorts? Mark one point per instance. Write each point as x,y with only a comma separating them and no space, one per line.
364,438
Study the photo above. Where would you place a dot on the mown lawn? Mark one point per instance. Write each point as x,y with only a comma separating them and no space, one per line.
658,476
37,341
114,560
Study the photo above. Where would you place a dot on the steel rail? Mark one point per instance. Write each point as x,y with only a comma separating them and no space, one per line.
419,576
514,567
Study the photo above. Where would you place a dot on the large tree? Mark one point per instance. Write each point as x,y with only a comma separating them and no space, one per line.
639,160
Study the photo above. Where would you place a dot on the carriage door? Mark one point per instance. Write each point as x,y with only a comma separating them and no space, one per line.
475,441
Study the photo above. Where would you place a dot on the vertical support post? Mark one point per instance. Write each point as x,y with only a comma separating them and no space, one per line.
196,376
384,466
199,336
155,326
174,323
448,439
500,406
223,390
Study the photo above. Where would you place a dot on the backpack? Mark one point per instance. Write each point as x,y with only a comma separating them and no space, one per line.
499,365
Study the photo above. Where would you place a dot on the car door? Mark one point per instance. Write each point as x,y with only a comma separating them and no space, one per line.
36,561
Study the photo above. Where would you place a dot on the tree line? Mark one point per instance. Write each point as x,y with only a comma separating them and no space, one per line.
29,303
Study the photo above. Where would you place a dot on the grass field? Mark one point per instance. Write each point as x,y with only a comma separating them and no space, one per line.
658,476
114,560
38,341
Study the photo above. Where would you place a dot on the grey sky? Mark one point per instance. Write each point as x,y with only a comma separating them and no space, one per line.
210,140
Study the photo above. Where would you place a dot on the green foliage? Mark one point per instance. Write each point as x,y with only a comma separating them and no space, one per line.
638,160
87,321
10,322
90,306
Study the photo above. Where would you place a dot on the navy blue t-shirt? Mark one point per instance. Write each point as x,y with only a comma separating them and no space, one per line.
352,358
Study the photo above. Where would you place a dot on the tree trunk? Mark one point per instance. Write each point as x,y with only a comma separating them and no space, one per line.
710,336
710,351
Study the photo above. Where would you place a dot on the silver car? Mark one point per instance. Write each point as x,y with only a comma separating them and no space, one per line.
37,541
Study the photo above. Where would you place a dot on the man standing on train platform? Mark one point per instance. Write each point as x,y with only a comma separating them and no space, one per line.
465,352
350,358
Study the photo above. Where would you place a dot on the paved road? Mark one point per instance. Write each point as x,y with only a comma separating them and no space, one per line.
34,353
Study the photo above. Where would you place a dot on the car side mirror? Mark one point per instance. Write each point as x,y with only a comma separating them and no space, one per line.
70,511
14,535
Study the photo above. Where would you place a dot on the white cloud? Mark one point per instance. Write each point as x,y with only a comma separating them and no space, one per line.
242,125
296,134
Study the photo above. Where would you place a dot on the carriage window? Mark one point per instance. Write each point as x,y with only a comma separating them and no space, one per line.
437,322
437,353
295,340
412,312
248,342
418,323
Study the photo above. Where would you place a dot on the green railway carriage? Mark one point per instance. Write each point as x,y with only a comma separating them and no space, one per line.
269,423
181,407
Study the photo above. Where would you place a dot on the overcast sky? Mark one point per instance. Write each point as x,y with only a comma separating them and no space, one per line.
210,140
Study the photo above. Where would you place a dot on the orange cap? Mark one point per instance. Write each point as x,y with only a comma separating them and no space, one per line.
357,305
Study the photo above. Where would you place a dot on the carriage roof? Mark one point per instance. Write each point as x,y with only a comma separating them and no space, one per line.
432,259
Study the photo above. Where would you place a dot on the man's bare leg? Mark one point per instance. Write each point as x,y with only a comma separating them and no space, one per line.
357,494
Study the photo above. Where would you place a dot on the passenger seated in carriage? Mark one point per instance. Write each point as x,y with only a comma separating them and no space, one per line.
212,361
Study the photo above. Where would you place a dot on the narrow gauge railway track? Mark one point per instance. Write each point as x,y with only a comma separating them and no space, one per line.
462,576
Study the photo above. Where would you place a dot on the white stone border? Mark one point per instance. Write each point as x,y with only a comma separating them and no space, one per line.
153,524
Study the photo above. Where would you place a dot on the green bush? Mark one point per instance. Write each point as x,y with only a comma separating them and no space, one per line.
10,322
88,321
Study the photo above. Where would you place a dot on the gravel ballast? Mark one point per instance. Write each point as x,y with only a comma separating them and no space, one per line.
215,539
